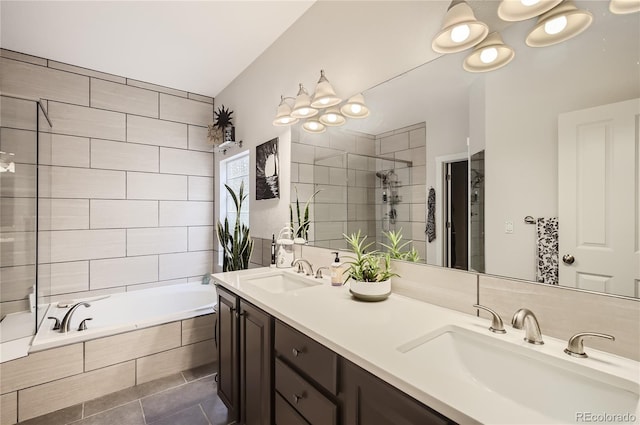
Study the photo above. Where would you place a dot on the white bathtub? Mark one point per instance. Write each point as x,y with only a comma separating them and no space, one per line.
127,311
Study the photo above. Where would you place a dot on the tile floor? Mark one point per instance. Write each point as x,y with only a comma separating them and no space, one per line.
186,398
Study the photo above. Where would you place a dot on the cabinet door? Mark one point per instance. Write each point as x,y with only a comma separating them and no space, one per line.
367,400
228,355
256,370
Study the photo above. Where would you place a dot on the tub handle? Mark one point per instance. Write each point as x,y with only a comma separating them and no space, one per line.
83,324
56,325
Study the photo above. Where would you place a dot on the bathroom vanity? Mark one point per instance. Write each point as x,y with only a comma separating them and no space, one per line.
296,350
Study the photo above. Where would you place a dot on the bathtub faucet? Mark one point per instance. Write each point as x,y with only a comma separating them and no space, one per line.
65,325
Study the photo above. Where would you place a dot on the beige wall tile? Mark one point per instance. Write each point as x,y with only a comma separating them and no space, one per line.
41,367
88,72
185,264
66,392
16,282
130,345
74,245
197,329
65,278
179,161
418,137
178,109
186,213
156,132
156,186
17,113
88,122
9,307
201,238
201,98
18,214
157,88
161,240
9,408
198,139
22,143
64,214
122,271
22,57
123,98
176,360
18,248
21,184
201,188
38,82
58,149
121,214
123,156
589,311
394,143
84,183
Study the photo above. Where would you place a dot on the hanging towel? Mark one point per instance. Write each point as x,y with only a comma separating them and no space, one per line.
547,244
431,215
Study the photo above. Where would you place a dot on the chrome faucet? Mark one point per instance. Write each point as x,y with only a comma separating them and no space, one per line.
496,320
575,347
524,318
65,325
301,262
319,271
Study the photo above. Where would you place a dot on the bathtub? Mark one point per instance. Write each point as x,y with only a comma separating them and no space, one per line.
127,311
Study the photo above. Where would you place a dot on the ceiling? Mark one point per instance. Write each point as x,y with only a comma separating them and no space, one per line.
196,46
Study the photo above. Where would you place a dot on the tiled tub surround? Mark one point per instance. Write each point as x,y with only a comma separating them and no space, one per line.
130,195
53,379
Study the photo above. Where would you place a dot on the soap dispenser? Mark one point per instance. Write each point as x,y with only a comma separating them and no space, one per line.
336,271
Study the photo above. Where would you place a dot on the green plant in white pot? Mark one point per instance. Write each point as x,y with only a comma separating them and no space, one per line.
369,271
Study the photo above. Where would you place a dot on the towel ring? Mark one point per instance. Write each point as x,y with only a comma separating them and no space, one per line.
529,220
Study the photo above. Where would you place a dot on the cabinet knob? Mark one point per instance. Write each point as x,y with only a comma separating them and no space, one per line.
297,398
296,352
241,313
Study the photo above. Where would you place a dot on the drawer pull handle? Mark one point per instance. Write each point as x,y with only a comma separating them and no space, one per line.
297,398
296,352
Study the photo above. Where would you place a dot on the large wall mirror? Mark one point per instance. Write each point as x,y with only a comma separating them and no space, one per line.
497,157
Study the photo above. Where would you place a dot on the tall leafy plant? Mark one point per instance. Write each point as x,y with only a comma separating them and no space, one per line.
367,266
396,247
300,228
237,245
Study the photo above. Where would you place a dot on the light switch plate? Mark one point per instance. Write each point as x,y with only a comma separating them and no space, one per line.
508,227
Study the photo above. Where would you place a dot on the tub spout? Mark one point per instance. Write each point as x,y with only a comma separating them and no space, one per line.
65,325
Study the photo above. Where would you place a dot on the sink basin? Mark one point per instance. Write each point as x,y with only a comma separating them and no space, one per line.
555,388
277,283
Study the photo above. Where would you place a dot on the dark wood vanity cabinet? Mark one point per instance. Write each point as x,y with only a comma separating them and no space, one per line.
245,360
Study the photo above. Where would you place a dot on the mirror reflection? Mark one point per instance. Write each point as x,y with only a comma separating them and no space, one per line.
487,171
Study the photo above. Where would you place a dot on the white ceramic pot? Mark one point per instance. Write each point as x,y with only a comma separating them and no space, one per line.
370,291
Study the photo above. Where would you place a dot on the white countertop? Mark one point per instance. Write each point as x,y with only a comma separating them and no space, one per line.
369,333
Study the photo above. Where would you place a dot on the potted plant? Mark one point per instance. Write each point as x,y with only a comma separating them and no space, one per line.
300,228
396,246
237,245
369,271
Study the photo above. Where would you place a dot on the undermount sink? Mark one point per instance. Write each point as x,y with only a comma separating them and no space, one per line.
553,387
282,282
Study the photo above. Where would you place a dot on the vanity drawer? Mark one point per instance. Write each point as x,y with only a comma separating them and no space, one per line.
309,356
287,415
309,402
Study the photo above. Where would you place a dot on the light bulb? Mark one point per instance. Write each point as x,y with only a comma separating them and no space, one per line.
324,101
356,108
556,25
313,125
332,118
529,2
488,55
460,33
304,111
285,120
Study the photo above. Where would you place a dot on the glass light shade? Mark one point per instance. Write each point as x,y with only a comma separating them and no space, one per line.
622,7
324,95
283,116
355,107
577,20
520,10
302,107
313,126
489,55
332,117
458,23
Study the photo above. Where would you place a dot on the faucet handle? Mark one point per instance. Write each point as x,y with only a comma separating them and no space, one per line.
319,271
496,322
56,324
575,347
83,324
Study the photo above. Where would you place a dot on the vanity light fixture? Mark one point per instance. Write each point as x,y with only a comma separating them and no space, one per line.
324,95
355,107
332,117
314,126
302,107
520,10
460,29
561,23
283,116
489,55
623,7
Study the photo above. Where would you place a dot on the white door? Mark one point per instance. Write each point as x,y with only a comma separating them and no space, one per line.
599,206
